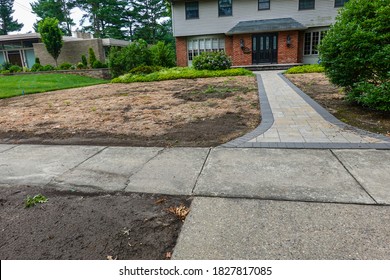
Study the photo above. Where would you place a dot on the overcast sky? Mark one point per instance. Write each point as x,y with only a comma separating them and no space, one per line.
24,15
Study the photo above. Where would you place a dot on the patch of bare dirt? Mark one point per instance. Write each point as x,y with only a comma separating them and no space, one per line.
332,98
89,226
200,112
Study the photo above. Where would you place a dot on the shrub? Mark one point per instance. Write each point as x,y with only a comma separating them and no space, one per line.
65,66
144,70
48,67
15,69
84,61
6,66
212,61
98,64
356,52
37,61
163,55
122,60
80,65
181,73
312,68
92,57
36,67
5,72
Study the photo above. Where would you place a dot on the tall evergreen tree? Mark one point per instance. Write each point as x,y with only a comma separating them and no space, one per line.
59,9
149,15
7,23
106,17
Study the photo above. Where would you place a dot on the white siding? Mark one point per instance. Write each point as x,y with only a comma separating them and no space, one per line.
243,10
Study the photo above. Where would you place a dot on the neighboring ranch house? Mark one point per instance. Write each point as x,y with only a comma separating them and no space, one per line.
253,31
22,49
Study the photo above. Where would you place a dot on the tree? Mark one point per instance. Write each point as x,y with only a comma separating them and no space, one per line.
149,15
356,52
106,17
7,23
59,9
51,36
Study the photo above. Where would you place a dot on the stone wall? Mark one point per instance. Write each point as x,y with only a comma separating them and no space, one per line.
71,51
103,73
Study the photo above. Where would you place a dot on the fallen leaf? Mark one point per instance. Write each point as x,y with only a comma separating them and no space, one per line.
180,212
168,255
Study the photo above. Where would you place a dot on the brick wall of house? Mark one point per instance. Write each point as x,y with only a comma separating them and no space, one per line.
181,52
229,45
71,51
288,54
240,57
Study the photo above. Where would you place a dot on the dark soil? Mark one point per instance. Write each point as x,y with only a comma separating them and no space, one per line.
87,226
332,98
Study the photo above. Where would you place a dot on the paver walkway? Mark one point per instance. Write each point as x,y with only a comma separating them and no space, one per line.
291,119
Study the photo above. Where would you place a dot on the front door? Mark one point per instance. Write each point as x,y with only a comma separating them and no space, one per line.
265,48
14,58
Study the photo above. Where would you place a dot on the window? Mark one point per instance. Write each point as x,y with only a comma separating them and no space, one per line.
198,46
312,40
306,4
192,10
340,3
225,8
264,4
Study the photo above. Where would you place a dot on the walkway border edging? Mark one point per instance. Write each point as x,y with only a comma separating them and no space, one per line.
267,118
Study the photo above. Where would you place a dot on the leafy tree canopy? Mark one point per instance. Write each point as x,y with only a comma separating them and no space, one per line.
51,36
7,23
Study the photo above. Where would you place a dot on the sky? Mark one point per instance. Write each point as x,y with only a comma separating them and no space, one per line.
24,15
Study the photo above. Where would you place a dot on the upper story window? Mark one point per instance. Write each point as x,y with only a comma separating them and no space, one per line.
340,3
264,4
306,4
192,10
225,8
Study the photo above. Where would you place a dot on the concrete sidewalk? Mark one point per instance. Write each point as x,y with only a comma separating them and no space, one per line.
248,203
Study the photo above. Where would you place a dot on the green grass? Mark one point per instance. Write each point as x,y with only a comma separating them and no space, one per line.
310,68
15,85
181,73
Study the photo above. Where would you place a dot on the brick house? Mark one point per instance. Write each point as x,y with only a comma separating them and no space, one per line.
22,49
253,31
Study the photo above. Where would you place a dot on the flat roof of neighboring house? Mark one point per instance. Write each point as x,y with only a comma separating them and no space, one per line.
29,36
266,25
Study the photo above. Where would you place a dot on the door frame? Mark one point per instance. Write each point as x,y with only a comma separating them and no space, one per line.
274,58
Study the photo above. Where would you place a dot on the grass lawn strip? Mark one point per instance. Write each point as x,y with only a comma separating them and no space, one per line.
16,85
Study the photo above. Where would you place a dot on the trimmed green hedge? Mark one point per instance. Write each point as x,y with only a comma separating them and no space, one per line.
181,73
310,68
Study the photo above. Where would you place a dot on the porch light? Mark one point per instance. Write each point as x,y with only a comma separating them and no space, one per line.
288,40
242,44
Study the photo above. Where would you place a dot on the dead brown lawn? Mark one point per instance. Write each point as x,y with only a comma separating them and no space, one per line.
200,112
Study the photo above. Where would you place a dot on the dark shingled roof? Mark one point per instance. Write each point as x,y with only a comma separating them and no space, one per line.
266,25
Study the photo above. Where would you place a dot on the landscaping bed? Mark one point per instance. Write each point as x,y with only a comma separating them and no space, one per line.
195,112
332,98
89,226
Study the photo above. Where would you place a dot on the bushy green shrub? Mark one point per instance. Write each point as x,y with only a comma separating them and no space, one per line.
356,52
163,55
92,57
98,64
212,61
84,61
311,68
181,73
15,69
80,65
6,66
65,66
122,60
5,72
48,67
144,70
36,67
37,60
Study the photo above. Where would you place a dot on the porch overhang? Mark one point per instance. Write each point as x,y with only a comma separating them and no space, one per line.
266,26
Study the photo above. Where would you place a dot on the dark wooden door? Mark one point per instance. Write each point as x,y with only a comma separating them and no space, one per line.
14,58
265,48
